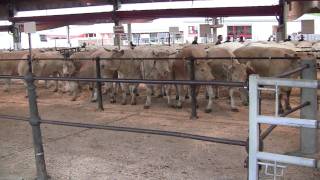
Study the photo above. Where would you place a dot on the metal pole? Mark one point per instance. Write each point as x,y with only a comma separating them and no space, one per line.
68,35
169,39
308,136
193,91
253,128
98,84
36,131
30,53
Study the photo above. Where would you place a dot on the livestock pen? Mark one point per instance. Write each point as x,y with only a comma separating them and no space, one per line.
307,101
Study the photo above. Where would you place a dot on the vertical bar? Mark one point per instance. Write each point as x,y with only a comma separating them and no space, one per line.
98,86
277,102
30,53
253,127
193,91
308,136
36,131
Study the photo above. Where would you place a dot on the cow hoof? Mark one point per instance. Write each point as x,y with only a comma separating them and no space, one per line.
113,101
73,99
246,103
187,97
234,109
133,103
146,107
280,111
208,110
179,106
160,96
177,97
288,108
55,90
137,94
93,100
123,103
6,90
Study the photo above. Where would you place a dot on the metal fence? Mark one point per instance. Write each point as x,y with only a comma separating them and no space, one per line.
35,119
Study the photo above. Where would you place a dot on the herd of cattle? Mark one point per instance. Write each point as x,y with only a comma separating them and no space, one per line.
176,68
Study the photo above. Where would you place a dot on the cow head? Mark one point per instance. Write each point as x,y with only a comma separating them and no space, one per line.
68,68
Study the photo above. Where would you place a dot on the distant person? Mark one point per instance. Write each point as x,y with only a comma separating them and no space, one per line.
288,39
241,39
195,40
132,46
228,39
84,45
301,38
220,38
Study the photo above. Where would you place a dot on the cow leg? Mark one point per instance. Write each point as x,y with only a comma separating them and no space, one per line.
74,89
133,94
280,109
7,83
111,87
232,100
181,96
149,94
210,94
287,100
94,93
167,89
56,86
244,96
124,88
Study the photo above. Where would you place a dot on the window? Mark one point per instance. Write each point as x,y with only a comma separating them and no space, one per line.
237,31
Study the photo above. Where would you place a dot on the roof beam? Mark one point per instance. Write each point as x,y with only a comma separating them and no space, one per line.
154,14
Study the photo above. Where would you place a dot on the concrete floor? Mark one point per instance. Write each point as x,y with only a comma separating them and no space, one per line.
82,154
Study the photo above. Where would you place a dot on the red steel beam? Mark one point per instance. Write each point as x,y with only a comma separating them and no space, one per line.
154,14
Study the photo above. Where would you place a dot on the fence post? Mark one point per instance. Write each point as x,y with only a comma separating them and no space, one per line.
308,136
193,91
36,131
29,63
98,86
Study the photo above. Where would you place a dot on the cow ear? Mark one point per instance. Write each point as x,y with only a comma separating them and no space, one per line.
250,70
121,51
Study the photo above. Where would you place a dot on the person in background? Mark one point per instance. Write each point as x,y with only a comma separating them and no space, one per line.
132,46
241,39
84,45
288,39
228,39
195,40
301,37
220,38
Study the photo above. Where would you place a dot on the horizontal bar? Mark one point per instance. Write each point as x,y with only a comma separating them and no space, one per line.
300,161
293,71
135,130
272,127
183,82
266,89
288,82
285,121
171,58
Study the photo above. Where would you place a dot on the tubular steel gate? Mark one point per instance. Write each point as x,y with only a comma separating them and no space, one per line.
35,119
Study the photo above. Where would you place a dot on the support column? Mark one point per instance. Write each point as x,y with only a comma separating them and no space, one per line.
68,35
282,34
308,136
116,6
129,32
16,34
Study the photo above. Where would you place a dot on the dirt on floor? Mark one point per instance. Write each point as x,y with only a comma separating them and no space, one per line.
89,154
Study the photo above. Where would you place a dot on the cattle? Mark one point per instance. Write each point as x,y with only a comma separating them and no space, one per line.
43,66
9,67
79,67
269,68
155,69
181,71
126,69
228,70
